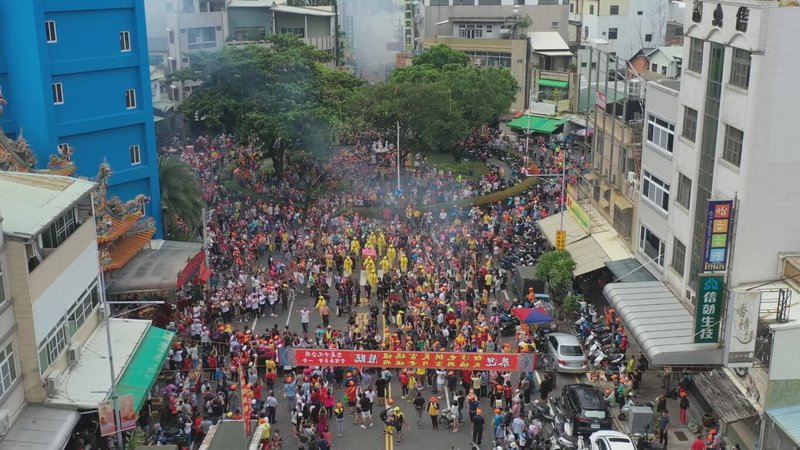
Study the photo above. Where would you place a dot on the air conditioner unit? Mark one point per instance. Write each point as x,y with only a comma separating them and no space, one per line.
631,177
5,422
634,88
52,381
74,353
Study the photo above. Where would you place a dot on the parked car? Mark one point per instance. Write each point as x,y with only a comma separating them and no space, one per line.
584,405
610,440
566,353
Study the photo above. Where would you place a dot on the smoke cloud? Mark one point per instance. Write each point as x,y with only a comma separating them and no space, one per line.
376,35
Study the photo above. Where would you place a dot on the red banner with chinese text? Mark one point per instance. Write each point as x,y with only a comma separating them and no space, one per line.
247,396
524,362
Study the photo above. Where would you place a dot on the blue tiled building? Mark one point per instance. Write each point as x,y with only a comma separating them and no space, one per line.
75,73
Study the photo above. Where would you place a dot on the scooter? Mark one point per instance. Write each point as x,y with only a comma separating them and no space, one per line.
625,409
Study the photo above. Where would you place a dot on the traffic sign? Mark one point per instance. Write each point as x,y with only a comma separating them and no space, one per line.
561,240
398,193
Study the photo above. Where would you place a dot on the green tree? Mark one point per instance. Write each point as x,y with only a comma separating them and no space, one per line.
556,268
439,56
180,197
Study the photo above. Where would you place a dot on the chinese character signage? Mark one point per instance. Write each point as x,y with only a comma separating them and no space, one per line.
716,17
561,239
697,11
742,323
578,213
428,360
742,17
718,232
108,423
247,396
127,415
708,309
600,100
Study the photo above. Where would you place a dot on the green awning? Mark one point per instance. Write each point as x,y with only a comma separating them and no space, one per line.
145,364
553,83
536,124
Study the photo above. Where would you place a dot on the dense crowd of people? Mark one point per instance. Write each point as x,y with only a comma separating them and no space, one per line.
433,276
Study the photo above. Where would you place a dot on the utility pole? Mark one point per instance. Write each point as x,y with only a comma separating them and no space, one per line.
399,192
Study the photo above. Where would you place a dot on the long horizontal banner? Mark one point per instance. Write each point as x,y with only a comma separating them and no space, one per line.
523,362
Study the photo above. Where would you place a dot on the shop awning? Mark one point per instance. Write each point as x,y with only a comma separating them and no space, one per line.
590,251
725,399
629,270
553,83
41,428
660,324
536,124
153,269
554,53
145,365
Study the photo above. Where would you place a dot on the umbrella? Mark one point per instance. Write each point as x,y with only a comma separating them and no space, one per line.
368,252
532,315
336,238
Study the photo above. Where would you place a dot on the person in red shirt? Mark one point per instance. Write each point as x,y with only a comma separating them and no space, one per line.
698,444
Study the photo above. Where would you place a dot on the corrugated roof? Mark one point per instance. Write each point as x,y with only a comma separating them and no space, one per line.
788,419
250,4
725,399
31,201
547,40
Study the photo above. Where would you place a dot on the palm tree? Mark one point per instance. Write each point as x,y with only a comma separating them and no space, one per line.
181,198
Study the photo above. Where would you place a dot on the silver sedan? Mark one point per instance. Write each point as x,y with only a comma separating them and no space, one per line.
566,353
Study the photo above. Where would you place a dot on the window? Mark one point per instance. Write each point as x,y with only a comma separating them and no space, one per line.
655,190
648,37
663,70
689,123
572,7
3,296
614,10
298,32
8,369
740,68
58,94
678,256
136,156
684,190
554,25
203,37
591,9
52,346
490,59
696,55
50,31
171,37
639,13
82,309
654,67
660,133
58,231
732,151
612,33
651,245
470,31
125,41
584,64
130,98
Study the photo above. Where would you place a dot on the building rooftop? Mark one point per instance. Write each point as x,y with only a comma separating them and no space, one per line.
88,381
304,11
32,200
674,85
547,40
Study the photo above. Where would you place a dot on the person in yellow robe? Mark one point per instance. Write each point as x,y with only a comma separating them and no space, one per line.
355,246
372,279
385,264
381,243
348,266
403,262
392,255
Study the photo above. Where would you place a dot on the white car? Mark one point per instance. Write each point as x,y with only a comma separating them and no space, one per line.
566,353
610,440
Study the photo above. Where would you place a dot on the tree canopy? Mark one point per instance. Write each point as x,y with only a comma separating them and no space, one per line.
279,97
282,97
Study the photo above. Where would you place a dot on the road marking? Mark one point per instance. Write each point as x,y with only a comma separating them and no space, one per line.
255,321
538,377
289,315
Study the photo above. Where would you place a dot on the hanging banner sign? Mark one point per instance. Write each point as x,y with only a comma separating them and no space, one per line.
708,309
127,414
521,362
108,423
718,233
742,325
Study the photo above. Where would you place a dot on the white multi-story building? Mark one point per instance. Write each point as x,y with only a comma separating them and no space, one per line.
622,26
54,353
725,132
